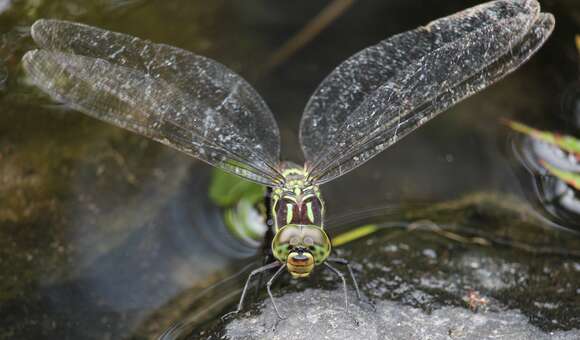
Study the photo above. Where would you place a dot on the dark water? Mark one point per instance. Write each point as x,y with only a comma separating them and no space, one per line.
106,235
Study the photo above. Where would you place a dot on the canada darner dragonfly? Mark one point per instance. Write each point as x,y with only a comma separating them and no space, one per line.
367,104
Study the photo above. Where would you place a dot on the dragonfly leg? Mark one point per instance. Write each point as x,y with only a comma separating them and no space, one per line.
265,262
341,275
268,287
244,291
351,273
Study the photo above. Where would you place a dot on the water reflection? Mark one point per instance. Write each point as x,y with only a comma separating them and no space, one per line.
553,161
132,250
570,104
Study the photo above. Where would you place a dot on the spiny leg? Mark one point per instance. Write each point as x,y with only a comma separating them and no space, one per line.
266,259
349,268
269,285
351,272
341,275
244,291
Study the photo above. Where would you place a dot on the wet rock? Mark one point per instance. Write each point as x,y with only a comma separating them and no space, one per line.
433,279
317,314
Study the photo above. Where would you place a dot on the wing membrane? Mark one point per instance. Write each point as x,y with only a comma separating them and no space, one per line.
188,102
386,91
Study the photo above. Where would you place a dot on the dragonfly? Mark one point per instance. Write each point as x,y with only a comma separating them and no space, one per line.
366,104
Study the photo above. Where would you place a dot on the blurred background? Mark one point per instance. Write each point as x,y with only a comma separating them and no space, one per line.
105,234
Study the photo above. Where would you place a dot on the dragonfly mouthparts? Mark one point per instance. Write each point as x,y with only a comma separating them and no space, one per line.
300,256
300,263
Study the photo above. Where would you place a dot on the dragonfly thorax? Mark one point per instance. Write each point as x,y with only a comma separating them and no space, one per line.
297,201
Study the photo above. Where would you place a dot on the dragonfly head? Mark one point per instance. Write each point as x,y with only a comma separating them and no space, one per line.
301,247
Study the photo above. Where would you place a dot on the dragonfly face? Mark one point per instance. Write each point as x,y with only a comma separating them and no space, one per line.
298,210
301,247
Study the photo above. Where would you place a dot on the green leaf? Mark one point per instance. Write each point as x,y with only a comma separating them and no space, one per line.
226,189
571,178
354,234
565,142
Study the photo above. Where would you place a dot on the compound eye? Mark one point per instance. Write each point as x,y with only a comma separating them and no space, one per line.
285,240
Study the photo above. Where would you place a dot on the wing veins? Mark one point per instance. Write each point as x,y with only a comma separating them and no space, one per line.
493,67
313,168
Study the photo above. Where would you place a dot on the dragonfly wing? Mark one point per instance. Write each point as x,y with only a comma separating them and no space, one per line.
183,100
382,93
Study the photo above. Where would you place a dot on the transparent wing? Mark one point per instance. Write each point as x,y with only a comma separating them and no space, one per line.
382,93
188,102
